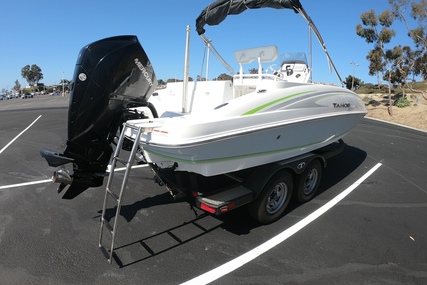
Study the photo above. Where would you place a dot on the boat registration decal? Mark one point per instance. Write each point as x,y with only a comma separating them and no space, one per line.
257,109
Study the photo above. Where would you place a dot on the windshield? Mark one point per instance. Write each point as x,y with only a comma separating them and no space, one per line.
293,57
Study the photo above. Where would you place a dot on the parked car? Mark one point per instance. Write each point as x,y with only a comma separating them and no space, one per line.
27,95
2,97
56,93
10,96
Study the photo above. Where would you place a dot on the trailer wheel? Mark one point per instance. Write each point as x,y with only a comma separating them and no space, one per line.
273,200
307,182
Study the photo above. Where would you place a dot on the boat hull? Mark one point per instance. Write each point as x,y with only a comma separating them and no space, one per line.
251,148
280,121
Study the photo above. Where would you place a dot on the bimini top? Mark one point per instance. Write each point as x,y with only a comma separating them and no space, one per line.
217,11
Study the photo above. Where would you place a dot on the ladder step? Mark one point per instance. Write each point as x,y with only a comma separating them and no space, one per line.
107,225
107,255
114,195
122,161
105,252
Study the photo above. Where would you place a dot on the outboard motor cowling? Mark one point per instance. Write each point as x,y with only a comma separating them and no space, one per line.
111,76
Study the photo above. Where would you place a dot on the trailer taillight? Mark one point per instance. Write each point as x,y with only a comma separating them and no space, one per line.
207,208
226,208
217,211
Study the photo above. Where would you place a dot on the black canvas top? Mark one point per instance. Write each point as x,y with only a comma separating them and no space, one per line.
217,11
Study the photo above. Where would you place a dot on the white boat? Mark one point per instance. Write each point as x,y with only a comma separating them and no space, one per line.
272,116
256,119
279,120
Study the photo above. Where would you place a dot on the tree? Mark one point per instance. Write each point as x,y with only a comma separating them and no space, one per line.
393,74
160,82
32,74
224,76
369,31
253,71
418,12
17,86
415,60
173,80
349,82
380,64
403,62
66,84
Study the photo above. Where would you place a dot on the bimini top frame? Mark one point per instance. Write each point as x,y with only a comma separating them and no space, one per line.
217,11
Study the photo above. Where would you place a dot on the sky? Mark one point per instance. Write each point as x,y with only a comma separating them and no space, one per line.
50,34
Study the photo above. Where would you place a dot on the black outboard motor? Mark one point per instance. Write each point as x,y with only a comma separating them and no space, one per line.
111,76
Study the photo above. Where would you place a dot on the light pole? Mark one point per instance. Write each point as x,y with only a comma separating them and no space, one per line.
63,84
354,70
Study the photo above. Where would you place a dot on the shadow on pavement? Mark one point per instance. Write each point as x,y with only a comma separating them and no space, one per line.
237,221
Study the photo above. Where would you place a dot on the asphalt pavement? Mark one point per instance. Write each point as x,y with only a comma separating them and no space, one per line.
369,231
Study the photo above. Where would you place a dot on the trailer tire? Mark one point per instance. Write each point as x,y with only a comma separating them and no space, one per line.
307,182
274,198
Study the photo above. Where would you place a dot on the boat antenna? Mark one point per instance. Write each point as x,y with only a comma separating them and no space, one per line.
209,44
310,46
304,14
186,71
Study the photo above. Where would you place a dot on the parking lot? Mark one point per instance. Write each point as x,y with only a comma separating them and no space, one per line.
369,231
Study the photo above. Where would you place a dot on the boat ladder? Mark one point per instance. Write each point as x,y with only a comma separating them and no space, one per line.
112,226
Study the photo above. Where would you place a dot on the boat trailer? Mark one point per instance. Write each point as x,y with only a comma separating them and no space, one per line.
266,189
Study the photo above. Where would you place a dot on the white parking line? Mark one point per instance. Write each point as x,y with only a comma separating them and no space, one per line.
124,168
50,180
234,264
3,149
25,184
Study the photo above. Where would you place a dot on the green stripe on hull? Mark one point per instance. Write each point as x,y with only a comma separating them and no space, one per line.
257,109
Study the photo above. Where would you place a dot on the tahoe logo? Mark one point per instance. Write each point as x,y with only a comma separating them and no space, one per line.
341,105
